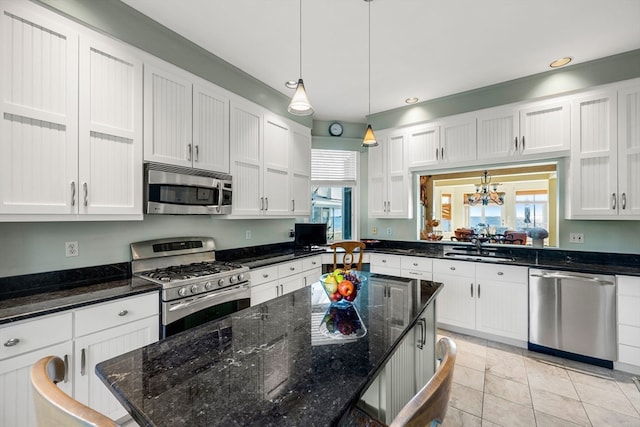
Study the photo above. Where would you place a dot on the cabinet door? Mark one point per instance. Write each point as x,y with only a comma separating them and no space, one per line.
544,128
399,377
398,306
425,348
264,292
593,167
246,157
423,142
501,308
498,131
276,166
291,283
210,128
16,396
110,126
167,115
629,152
95,348
377,179
458,139
398,185
301,171
39,123
456,301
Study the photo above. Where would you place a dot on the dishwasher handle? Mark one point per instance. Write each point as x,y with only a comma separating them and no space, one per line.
563,275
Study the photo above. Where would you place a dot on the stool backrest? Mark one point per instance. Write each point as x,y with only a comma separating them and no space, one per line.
348,256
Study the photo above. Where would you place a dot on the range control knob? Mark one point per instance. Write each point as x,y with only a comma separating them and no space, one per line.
221,282
182,292
208,285
240,277
194,289
233,279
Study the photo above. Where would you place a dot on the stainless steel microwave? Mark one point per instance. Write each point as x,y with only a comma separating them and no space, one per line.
177,190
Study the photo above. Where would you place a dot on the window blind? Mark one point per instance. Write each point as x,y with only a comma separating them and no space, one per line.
334,166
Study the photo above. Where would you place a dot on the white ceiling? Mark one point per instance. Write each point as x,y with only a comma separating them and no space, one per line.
422,48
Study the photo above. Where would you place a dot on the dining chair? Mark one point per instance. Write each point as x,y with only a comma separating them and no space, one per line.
429,406
348,257
55,408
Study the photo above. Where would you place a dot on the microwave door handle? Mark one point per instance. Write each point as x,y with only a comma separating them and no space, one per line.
220,186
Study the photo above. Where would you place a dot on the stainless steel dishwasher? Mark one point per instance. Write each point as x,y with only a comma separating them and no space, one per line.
573,315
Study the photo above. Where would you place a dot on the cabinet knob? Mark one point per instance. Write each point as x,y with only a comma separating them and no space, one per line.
500,273
415,264
123,313
313,263
384,260
11,342
452,268
292,268
265,275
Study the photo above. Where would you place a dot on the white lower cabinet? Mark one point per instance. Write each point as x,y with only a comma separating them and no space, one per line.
489,298
280,279
24,343
629,320
413,267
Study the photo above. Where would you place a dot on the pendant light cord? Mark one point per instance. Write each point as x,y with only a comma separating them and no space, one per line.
300,35
369,1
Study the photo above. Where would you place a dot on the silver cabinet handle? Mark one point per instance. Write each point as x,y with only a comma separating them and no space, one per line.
313,263
471,289
623,201
388,206
265,275
73,193
266,203
83,362
384,206
613,201
86,193
12,342
66,368
437,158
261,203
442,153
292,268
516,140
478,290
384,261
423,336
522,142
452,268
123,313
189,152
293,205
415,264
500,273
197,152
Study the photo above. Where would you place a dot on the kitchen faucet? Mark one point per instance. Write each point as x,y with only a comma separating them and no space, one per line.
478,244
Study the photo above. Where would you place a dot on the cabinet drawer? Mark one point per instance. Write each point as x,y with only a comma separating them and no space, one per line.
629,354
289,268
264,275
416,263
104,316
33,334
629,286
628,313
311,262
502,273
416,274
386,261
629,335
455,268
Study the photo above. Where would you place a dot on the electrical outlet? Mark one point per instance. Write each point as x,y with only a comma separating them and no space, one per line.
247,234
71,249
576,237
388,231
374,230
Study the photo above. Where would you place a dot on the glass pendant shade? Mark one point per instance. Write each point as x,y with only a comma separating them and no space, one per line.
300,105
369,139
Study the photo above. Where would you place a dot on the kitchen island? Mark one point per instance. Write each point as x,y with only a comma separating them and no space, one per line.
275,363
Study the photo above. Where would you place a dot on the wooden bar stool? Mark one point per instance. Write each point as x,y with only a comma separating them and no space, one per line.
348,258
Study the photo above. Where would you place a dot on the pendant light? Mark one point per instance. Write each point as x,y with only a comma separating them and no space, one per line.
369,139
300,105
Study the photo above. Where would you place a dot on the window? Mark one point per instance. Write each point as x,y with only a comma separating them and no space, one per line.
333,186
532,209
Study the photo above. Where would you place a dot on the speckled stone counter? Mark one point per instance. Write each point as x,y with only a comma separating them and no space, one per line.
267,365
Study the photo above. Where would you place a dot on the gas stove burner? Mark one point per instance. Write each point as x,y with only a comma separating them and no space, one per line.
190,271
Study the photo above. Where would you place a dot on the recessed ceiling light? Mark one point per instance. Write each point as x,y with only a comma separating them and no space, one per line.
560,62
411,100
291,84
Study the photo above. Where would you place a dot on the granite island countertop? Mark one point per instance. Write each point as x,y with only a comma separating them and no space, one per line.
265,365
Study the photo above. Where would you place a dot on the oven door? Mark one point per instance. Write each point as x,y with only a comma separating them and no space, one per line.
180,315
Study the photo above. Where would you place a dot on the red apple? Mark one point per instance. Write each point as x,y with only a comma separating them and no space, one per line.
335,297
345,288
351,297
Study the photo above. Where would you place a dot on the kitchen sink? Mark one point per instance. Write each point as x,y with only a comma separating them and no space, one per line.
478,257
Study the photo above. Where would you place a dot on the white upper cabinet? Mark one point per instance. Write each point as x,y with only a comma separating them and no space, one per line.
186,119
447,141
301,170
71,127
605,155
389,183
270,174
534,130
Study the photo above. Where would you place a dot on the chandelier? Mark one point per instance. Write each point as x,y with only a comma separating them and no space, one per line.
486,192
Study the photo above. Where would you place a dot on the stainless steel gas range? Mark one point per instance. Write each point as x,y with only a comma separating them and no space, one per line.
195,287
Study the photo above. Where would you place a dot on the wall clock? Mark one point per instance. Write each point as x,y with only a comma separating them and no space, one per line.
335,129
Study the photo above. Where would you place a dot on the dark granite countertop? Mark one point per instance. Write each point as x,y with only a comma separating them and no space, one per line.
266,365
39,304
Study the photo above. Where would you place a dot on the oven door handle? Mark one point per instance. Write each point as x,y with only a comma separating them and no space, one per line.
222,296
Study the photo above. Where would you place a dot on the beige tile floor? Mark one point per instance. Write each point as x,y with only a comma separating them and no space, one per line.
500,385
